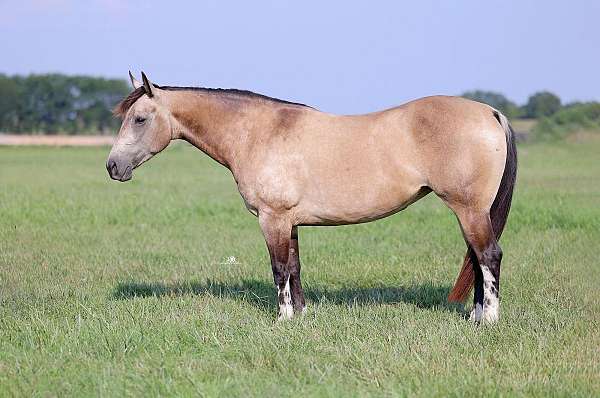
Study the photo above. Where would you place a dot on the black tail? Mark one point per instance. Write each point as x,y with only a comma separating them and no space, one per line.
498,212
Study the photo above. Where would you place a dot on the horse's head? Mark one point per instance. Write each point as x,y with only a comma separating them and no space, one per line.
145,131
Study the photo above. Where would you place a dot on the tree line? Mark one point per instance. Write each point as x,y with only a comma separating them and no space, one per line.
56,103
540,104
554,119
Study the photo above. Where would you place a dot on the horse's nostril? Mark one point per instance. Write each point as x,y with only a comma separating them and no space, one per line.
111,167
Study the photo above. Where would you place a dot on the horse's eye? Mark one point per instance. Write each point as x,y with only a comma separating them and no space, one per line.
140,120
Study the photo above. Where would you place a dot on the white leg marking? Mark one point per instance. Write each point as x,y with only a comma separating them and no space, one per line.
476,313
490,298
286,310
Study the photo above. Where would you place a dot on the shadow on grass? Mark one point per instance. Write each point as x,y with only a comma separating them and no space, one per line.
262,294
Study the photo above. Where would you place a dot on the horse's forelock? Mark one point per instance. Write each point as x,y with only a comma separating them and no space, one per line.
127,102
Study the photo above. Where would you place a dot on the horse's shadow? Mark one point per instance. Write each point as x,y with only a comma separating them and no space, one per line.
262,294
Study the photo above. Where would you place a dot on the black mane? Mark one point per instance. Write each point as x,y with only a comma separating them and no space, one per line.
123,106
233,91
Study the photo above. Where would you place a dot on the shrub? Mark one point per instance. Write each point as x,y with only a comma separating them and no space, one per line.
571,118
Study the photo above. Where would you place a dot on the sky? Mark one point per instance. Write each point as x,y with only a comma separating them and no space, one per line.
339,56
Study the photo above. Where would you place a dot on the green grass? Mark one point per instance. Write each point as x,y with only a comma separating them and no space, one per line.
123,289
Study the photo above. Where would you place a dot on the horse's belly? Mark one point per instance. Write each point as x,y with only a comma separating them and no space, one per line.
351,206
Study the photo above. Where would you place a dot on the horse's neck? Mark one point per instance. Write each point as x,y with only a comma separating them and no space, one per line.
217,126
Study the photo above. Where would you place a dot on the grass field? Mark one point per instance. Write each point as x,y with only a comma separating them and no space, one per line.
125,289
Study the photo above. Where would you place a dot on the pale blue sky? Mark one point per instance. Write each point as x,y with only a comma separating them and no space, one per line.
340,56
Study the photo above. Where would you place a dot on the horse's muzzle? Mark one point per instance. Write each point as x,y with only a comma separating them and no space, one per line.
119,170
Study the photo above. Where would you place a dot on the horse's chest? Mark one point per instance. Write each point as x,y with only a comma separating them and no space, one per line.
271,188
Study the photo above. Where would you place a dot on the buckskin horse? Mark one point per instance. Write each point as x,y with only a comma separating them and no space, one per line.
295,166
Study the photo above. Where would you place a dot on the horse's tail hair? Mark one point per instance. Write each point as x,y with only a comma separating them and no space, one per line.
498,212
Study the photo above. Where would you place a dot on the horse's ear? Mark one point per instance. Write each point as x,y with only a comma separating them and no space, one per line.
147,85
134,82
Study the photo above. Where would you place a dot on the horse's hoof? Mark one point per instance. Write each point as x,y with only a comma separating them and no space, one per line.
484,315
286,312
476,314
490,316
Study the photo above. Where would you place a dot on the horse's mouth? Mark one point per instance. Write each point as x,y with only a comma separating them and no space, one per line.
114,173
127,174
124,178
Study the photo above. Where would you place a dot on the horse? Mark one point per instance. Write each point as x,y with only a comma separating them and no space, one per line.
297,166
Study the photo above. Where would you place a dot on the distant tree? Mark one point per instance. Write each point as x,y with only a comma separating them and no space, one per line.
9,92
542,104
496,100
56,103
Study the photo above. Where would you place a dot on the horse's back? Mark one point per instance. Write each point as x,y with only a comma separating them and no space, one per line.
349,169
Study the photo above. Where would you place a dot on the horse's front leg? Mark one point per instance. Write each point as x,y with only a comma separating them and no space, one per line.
294,267
282,242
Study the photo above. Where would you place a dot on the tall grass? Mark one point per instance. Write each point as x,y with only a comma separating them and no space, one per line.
123,289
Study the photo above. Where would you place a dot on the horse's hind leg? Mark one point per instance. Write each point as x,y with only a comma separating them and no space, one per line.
478,232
